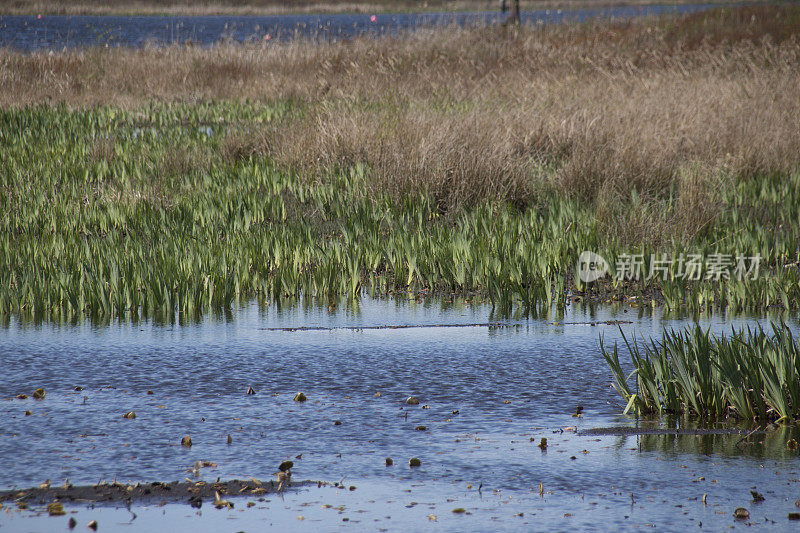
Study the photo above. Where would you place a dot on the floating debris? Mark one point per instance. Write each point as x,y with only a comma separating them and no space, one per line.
793,516
412,401
578,412
129,415
389,461
459,510
791,444
186,441
283,479
38,394
337,422
250,391
78,388
757,496
420,428
22,396
377,394
543,443
150,392
432,517
219,503
55,509
230,440
413,462
45,485
28,413
300,397
740,513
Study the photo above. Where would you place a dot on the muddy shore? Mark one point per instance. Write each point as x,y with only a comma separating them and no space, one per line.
193,493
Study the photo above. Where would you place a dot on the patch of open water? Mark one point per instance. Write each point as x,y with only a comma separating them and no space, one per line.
54,32
511,385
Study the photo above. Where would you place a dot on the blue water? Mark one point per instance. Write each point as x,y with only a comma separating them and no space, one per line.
58,31
511,385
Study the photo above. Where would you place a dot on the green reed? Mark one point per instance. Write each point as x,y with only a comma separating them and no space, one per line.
149,212
751,374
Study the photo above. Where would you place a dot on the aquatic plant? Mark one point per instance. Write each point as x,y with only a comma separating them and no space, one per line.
145,213
752,373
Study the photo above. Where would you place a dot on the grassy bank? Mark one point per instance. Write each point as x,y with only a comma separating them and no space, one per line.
469,160
279,7
752,374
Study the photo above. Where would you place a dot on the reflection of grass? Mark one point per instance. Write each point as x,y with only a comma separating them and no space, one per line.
272,7
771,445
751,374
469,160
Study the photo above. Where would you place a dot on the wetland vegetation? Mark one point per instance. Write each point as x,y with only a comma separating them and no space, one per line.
156,180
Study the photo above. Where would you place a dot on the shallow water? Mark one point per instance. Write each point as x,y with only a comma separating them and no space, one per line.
199,373
59,31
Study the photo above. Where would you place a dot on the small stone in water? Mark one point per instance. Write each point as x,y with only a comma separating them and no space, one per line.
793,516
28,413
72,522
250,391
543,443
757,496
186,441
286,465
129,414
38,394
300,397
459,510
92,525
22,396
420,428
389,461
741,513
78,388
337,422
230,440
412,401
414,462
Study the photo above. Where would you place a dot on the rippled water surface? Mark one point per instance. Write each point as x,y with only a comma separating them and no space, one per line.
57,31
491,391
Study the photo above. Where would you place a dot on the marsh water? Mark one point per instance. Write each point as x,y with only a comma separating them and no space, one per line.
490,388
36,32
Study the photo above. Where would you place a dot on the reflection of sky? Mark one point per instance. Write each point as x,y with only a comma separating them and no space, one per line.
198,374
58,31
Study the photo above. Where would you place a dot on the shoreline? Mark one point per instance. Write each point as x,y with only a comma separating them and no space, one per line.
149,8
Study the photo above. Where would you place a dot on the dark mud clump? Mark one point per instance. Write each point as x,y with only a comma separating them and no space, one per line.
142,493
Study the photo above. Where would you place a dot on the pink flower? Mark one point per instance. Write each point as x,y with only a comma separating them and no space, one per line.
373,18
39,17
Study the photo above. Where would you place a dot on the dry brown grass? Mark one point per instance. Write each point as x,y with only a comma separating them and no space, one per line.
675,109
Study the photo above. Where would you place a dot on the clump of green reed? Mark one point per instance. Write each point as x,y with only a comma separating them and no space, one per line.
165,209
751,374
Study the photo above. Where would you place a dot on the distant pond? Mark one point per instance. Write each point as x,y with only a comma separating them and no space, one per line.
54,32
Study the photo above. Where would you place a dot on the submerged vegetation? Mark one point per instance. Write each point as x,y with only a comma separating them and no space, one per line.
160,180
751,374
